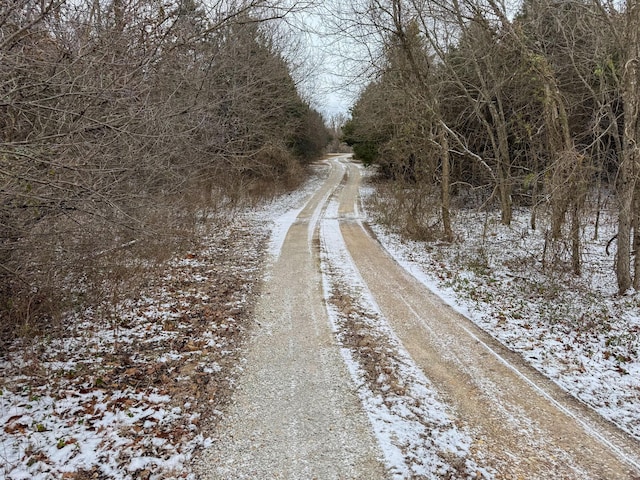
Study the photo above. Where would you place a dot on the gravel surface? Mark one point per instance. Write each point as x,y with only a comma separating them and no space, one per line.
525,426
295,412
313,402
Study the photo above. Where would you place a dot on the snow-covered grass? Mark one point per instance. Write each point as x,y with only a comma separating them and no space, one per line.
131,390
415,430
575,330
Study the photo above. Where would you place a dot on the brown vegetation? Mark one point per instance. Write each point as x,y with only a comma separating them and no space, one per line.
536,110
123,126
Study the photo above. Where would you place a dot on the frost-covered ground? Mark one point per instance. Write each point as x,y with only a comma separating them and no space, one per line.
133,394
418,436
576,330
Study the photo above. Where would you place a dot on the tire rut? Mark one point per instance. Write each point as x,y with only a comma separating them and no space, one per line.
524,424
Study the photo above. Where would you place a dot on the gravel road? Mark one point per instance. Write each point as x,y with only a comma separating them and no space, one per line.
296,414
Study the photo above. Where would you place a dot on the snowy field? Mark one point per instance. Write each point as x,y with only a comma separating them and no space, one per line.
575,330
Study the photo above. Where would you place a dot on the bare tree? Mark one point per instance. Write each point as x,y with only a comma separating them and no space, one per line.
629,169
621,69
405,54
118,122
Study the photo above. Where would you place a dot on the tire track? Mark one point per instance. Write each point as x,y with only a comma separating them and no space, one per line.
524,423
294,414
416,431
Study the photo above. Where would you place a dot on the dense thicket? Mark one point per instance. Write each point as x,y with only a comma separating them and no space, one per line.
538,109
122,123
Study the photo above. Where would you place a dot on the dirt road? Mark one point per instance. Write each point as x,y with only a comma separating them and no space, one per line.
297,413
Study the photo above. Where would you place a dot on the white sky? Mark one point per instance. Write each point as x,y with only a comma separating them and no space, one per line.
328,66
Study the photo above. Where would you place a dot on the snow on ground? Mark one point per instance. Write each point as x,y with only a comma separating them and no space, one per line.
132,389
575,330
283,222
418,436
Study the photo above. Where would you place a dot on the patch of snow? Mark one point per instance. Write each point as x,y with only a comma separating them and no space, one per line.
414,428
575,330
285,211
280,229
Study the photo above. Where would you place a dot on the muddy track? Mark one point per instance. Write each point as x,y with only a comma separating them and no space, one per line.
296,412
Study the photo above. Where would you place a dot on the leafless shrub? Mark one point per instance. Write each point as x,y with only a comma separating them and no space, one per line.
127,127
413,214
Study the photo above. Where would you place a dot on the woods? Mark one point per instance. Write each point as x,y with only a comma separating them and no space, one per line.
126,124
191,288
483,104
123,125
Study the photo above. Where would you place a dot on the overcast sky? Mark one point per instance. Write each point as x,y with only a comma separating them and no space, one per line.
328,66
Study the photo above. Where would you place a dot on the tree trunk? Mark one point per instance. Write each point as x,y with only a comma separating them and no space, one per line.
534,197
576,263
625,202
560,143
596,227
503,164
636,237
629,166
446,167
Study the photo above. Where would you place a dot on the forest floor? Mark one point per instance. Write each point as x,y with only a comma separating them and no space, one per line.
292,345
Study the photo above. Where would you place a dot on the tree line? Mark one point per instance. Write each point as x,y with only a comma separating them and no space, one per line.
535,104
123,124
